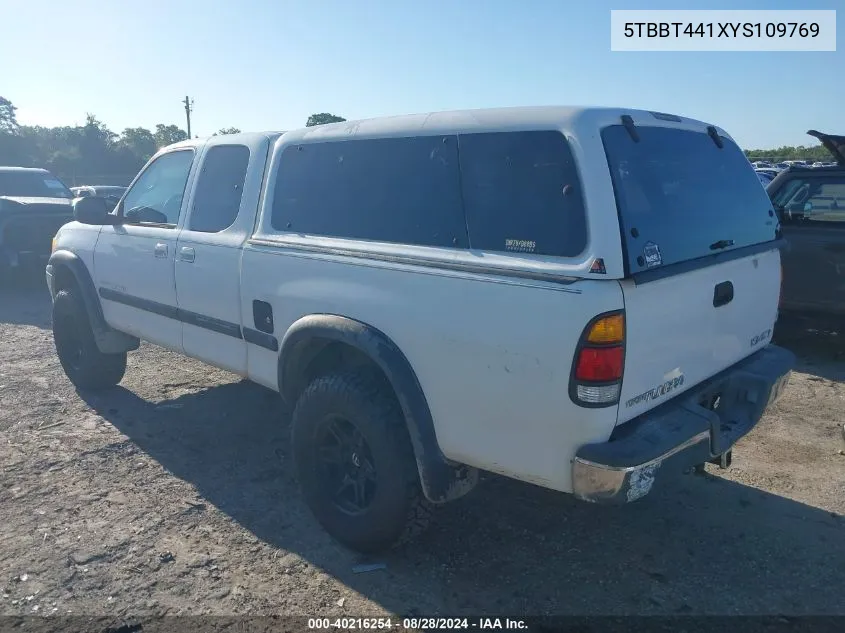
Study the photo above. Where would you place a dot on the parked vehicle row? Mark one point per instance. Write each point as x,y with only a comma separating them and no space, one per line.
557,295
761,165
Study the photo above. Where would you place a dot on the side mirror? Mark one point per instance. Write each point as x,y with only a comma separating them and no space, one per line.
112,200
145,214
93,210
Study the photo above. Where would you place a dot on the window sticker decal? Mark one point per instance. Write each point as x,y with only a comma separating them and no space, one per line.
521,246
651,254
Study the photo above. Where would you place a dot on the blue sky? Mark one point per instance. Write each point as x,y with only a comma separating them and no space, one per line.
261,64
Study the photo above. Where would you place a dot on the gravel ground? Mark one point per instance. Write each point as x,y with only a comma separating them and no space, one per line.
174,494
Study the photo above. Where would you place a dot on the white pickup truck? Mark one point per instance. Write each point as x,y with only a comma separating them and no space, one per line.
582,299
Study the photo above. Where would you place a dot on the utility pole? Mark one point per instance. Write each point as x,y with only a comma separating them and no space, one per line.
189,107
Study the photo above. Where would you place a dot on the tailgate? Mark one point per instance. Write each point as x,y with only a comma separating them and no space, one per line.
700,239
687,327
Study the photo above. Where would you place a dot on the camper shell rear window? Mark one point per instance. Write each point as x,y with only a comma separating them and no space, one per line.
681,197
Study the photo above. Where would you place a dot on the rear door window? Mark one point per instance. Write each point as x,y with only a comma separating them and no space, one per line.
219,189
681,197
521,193
404,190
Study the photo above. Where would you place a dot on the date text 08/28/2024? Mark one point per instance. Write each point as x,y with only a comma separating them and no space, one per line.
416,623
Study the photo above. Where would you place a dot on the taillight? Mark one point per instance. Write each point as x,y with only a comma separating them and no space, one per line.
599,362
608,329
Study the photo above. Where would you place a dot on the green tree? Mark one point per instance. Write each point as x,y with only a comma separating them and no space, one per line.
8,122
227,130
95,144
139,142
168,134
322,118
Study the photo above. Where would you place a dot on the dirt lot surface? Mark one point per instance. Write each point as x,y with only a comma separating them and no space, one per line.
174,493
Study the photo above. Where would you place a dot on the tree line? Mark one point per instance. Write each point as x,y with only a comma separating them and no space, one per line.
788,152
94,154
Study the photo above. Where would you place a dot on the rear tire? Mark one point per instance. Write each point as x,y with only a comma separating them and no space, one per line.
355,464
84,364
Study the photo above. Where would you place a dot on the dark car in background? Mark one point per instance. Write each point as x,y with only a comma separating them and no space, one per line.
33,205
810,203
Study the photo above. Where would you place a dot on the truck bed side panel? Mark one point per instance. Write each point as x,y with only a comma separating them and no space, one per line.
493,355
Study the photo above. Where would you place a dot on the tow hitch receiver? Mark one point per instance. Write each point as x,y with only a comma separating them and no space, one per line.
723,461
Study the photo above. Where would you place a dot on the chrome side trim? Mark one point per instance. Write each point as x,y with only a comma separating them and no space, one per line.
412,260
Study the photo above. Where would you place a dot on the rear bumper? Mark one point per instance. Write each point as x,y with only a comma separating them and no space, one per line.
682,432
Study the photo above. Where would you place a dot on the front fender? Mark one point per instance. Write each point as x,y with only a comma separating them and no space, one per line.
109,341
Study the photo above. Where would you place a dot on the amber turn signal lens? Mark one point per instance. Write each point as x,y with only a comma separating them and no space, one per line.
609,329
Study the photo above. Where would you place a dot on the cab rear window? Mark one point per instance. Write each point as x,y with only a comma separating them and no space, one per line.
681,197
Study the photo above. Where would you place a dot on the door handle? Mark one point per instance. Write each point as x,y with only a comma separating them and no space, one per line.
161,250
187,254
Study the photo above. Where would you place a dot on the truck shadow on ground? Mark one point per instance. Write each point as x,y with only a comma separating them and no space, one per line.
701,544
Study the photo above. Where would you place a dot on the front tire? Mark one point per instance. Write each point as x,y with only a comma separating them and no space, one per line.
355,464
84,364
